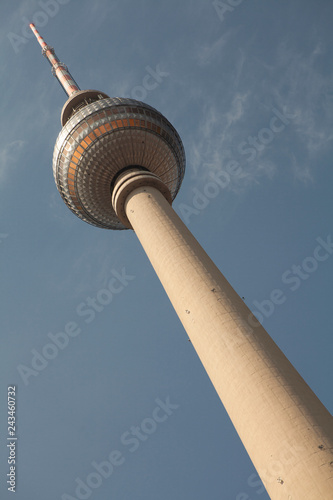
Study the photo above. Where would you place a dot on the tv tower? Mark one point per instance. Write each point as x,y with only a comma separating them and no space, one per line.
118,164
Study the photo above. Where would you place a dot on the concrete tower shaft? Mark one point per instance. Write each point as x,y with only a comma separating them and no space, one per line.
286,430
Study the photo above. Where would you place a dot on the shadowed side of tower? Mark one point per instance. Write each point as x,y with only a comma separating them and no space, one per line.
118,163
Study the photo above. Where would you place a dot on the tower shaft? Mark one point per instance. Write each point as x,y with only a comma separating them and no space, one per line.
286,430
59,69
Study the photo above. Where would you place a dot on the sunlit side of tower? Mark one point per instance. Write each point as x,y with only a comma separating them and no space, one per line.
119,163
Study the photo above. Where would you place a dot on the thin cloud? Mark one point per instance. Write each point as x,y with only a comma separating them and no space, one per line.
302,173
9,155
214,136
208,53
306,90
295,84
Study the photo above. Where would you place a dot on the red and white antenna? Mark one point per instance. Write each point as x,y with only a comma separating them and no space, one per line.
59,69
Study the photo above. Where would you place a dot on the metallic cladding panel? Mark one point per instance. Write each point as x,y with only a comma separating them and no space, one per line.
103,138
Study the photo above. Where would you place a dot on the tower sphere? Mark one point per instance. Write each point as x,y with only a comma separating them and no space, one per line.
102,137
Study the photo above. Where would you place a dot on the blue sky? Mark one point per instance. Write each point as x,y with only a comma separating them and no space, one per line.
249,88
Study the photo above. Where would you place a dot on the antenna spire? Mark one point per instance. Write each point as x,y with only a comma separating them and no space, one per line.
59,69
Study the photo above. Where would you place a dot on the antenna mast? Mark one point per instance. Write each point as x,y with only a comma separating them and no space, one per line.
59,69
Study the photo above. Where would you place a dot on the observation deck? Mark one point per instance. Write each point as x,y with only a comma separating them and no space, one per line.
101,140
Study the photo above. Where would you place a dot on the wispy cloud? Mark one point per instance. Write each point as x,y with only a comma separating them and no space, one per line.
215,134
9,155
294,82
306,88
208,53
302,172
